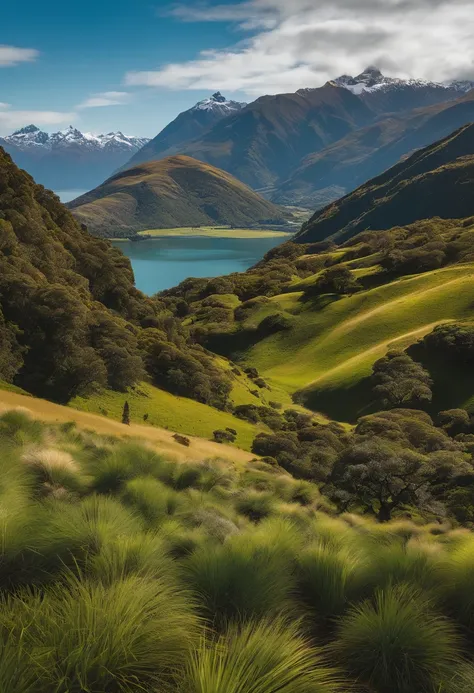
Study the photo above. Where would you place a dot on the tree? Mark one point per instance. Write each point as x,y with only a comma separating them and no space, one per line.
401,382
336,280
382,478
126,414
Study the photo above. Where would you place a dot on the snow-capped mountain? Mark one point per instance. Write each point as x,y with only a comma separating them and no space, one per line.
70,158
31,136
188,126
218,104
372,80
385,94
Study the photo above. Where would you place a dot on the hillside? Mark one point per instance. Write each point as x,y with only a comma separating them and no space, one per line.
436,181
174,192
317,337
72,322
340,168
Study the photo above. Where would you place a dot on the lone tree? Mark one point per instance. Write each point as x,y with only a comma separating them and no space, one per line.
336,280
401,382
381,478
126,414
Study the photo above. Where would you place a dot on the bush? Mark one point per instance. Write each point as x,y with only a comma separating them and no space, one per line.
226,436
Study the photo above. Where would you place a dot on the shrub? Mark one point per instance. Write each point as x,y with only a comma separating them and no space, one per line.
221,436
182,440
397,643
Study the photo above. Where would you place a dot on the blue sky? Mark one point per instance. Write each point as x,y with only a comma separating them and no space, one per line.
134,65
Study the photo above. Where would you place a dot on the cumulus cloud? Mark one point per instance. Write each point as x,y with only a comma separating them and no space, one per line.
289,44
13,120
11,55
106,98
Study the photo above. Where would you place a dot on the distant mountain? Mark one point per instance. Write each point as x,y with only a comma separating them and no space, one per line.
326,175
187,126
390,94
437,181
174,192
265,143
69,158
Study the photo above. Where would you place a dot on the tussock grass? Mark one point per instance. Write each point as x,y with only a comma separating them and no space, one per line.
396,642
131,634
259,658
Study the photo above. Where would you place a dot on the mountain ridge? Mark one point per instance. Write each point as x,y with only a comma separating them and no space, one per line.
412,190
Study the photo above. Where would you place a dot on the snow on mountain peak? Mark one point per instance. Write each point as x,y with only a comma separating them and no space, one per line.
31,136
218,103
372,79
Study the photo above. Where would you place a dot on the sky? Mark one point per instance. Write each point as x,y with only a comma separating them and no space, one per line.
106,65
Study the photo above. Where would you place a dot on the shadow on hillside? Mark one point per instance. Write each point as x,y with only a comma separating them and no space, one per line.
233,344
453,383
341,404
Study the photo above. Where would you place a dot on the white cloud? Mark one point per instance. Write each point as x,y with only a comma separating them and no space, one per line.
4,105
299,43
106,98
11,55
13,120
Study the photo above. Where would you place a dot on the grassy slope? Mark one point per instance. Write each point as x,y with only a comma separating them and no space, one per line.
160,438
331,348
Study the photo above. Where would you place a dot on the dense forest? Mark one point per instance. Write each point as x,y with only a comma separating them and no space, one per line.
71,320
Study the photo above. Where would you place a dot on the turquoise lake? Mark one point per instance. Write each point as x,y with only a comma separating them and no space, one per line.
165,262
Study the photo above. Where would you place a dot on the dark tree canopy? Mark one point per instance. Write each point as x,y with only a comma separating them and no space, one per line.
399,381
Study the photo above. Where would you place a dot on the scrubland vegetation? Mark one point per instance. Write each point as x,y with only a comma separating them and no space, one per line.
124,571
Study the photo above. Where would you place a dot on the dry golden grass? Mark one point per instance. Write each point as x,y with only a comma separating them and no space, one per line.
199,448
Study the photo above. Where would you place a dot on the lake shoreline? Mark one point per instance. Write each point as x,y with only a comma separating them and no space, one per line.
230,233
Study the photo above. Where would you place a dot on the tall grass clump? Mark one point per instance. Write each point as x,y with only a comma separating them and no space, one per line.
396,642
151,499
240,580
259,658
141,554
255,505
18,427
327,579
124,462
132,635
55,471
457,582
80,529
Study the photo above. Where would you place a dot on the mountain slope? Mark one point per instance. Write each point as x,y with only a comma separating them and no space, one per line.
186,127
264,141
69,159
437,181
174,192
367,152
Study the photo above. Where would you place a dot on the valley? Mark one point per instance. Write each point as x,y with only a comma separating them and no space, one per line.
237,356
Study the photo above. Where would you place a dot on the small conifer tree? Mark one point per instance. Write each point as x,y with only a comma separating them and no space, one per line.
126,414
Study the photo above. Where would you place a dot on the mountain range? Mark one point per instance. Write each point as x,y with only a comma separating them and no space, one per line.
437,181
69,159
174,192
315,145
